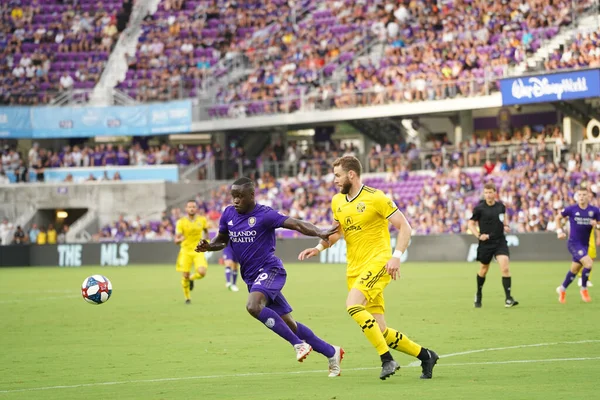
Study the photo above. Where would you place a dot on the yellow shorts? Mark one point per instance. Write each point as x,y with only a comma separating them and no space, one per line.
371,283
185,260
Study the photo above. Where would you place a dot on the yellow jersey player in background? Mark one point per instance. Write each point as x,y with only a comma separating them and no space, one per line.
592,254
188,232
364,215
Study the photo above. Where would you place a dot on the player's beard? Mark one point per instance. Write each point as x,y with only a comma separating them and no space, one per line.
346,187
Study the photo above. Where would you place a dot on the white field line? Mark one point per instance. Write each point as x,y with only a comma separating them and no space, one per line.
522,346
256,374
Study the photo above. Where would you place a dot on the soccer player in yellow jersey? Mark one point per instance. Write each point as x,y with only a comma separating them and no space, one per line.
592,254
188,232
363,214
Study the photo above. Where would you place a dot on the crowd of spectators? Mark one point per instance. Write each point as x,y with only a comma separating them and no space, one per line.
432,50
12,163
582,51
534,189
43,234
184,40
54,45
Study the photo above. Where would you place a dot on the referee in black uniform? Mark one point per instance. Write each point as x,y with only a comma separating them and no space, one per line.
489,214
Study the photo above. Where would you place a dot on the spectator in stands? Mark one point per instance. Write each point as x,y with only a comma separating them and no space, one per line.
19,236
51,234
62,236
5,229
33,233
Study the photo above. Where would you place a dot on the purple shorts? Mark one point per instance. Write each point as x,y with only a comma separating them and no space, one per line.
578,251
270,282
229,255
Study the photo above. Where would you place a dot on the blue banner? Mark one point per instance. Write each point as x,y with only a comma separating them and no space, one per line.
15,122
550,87
168,172
69,122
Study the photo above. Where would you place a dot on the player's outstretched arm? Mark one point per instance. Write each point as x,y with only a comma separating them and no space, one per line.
323,244
218,243
308,229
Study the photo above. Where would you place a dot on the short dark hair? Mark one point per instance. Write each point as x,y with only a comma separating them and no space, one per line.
349,163
191,201
490,186
243,181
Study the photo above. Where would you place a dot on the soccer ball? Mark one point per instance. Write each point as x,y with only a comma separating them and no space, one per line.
96,289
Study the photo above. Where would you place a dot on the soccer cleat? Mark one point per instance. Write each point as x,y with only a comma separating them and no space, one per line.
228,285
302,351
427,365
477,303
335,361
585,295
388,368
234,288
562,295
188,301
191,285
510,302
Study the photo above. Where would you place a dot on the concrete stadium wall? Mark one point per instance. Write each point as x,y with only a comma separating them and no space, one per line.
457,248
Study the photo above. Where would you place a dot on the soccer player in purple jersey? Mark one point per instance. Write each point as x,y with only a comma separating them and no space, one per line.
231,269
249,228
583,217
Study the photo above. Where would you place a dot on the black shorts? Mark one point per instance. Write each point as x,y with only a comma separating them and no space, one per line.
486,251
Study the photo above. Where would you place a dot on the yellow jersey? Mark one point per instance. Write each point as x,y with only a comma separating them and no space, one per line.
192,231
364,223
42,238
51,236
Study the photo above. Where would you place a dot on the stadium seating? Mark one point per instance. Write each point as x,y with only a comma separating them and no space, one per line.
51,46
582,51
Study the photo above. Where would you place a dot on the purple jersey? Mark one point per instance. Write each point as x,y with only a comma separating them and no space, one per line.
252,238
580,223
98,157
110,157
122,158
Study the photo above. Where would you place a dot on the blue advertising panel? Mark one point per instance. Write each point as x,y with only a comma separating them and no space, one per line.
15,122
169,173
70,122
551,87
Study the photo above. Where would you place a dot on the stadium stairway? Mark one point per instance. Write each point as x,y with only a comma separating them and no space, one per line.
534,62
104,92
382,130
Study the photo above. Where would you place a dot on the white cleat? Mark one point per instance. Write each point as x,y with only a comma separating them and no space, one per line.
335,361
234,288
302,351
228,285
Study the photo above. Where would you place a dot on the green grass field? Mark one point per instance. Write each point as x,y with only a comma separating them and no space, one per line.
144,343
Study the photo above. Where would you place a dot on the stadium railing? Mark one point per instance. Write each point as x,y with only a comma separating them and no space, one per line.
351,98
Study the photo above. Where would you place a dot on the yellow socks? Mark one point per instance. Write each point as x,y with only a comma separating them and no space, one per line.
397,341
370,327
185,284
196,276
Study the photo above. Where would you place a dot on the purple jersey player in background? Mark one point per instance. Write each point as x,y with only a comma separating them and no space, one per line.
583,217
231,268
249,228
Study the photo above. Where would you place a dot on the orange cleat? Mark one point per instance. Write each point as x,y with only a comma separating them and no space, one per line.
585,295
562,295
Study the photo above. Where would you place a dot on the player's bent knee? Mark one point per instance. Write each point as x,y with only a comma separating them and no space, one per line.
254,308
202,271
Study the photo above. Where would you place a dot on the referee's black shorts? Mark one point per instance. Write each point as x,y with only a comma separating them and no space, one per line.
488,250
